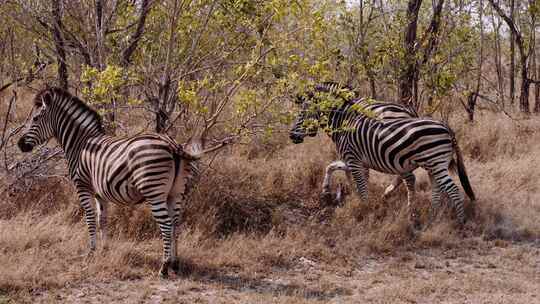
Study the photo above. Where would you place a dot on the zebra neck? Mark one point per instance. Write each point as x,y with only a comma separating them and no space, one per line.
340,118
74,129
74,144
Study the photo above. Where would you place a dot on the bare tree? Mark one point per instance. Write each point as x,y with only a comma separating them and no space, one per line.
524,55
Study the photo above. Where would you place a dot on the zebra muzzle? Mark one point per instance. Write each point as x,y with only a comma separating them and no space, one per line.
295,138
24,146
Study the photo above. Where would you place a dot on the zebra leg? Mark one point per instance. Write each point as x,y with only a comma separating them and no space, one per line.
102,220
336,165
173,205
392,187
360,175
155,189
160,211
445,183
85,199
165,222
410,181
435,199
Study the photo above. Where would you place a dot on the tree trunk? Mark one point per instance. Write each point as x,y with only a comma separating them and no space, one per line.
471,103
363,49
536,73
99,34
59,44
409,73
524,97
432,45
512,57
537,91
498,61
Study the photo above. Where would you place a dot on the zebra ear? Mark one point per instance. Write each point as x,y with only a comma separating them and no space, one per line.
43,99
299,98
302,97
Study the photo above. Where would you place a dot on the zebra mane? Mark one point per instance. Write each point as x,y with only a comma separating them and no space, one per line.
330,86
334,87
55,96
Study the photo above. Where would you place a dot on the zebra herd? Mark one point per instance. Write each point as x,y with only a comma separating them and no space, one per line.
152,167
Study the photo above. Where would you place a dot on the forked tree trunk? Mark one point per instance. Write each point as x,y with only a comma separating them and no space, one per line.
523,58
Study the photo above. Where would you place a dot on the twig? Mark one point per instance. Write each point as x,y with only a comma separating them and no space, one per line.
496,104
11,101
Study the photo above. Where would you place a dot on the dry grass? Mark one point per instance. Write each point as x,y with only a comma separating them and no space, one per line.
253,232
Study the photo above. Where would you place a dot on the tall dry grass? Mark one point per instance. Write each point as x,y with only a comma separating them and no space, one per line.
257,210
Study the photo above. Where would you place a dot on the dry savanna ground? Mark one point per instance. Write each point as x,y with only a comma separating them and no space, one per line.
253,232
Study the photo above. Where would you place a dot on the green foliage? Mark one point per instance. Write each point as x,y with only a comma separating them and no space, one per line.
243,60
105,85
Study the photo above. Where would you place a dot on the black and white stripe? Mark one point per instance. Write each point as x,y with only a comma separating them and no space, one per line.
130,170
375,109
395,146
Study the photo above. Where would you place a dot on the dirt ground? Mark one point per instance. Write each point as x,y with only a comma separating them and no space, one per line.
485,272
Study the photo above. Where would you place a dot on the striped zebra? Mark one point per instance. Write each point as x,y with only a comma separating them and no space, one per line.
123,170
378,109
394,146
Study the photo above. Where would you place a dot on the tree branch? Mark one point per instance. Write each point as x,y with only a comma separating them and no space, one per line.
134,39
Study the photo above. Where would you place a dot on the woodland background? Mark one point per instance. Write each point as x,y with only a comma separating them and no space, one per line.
253,230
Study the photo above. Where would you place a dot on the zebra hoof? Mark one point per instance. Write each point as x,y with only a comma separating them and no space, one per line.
164,271
326,198
175,266
89,256
164,274
414,220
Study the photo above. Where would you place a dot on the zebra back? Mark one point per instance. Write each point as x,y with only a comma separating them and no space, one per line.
380,109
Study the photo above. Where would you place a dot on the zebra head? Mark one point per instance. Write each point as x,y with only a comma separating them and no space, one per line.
306,122
314,103
39,129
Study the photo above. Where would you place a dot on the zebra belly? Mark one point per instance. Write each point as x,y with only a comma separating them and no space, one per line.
123,194
407,167
113,184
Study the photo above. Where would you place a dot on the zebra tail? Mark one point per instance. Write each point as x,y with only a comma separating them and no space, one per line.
186,171
463,177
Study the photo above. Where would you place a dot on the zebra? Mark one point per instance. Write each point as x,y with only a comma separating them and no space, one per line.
378,109
124,170
394,146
